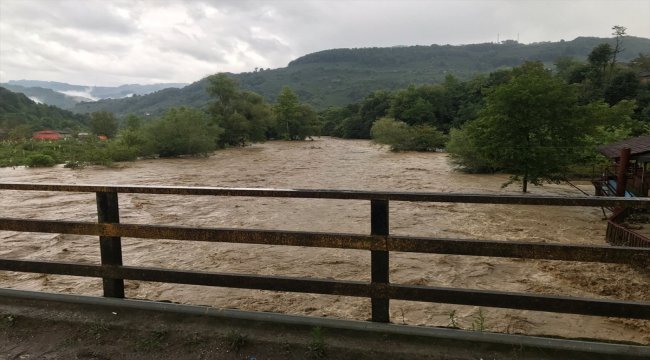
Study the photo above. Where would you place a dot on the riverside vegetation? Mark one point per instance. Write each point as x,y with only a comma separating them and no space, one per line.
537,124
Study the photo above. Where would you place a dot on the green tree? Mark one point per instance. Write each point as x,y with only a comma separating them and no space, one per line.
619,33
402,137
133,122
243,116
623,85
531,127
183,131
294,121
103,123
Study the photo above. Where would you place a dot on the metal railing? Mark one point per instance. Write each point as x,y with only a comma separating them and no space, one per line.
619,235
379,242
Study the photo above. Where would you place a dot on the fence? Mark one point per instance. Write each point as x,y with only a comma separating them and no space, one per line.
620,235
379,242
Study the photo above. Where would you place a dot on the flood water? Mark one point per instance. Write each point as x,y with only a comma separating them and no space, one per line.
328,164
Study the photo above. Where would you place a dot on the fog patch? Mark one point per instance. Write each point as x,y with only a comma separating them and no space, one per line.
86,93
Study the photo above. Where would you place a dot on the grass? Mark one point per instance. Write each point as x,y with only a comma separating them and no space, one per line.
153,341
235,340
7,321
317,348
453,320
479,321
98,330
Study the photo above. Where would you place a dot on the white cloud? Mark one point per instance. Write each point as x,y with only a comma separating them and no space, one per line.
139,41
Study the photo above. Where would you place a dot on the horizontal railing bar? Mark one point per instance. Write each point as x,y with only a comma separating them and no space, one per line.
488,298
242,236
343,194
241,281
523,250
521,301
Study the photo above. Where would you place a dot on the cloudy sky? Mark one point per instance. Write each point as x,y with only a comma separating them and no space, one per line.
112,42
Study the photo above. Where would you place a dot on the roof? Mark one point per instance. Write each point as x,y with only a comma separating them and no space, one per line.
47,135
638,145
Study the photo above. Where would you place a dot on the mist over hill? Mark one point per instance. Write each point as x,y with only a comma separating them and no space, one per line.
18,110
66,96
47,96
341,76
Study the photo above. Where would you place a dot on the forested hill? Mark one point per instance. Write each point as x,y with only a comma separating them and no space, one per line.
18,111
46,96
342,76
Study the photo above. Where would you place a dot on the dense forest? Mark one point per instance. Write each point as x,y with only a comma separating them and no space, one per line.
19,116
342,76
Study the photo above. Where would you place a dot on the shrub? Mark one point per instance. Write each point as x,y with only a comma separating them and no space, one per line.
117,152
402,137
39,160
183,132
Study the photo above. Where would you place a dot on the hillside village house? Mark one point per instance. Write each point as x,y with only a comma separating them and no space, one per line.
47,135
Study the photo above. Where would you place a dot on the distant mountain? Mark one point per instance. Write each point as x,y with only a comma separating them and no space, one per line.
47,96
86,93
343,76
17,110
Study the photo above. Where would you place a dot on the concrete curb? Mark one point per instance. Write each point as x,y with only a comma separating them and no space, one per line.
600,349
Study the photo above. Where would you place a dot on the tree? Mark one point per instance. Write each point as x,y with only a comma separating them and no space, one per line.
599,58
403,137
531,127
619,32
103,123
622,86
294,121
243,116
183,131
410,106
132,122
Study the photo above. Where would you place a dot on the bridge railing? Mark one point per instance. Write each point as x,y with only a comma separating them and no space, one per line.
379,242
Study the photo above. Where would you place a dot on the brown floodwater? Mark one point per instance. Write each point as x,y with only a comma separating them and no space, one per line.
328,164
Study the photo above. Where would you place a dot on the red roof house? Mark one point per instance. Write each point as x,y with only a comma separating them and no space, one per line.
47,135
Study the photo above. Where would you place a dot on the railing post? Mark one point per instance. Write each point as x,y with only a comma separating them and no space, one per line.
379,259
110,246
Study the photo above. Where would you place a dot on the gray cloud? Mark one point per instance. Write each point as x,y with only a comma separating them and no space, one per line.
114,42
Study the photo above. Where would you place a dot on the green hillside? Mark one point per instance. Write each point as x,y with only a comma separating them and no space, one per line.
343,76
17,111
47,96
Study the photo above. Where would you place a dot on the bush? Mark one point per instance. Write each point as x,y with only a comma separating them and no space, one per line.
183,132
39,160
402,137
118,152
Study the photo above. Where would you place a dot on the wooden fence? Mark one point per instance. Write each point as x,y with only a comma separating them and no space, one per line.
379,242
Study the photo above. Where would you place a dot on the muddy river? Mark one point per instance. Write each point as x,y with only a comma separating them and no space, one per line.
328,164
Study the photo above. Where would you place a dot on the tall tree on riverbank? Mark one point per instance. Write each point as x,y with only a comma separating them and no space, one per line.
243,116
103,123
295,121
531,127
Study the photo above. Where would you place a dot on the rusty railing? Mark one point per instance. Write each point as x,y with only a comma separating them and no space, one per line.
379,242
619,235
